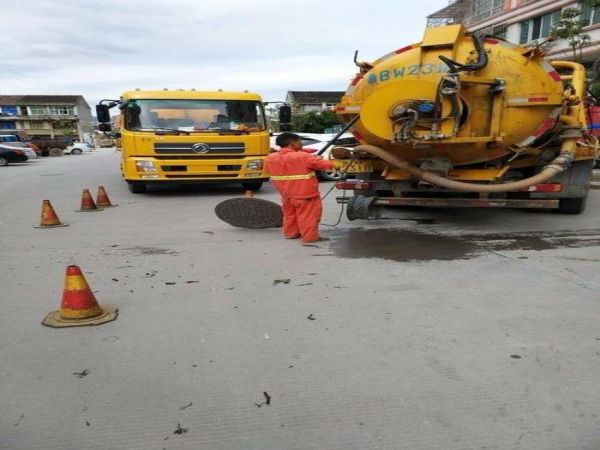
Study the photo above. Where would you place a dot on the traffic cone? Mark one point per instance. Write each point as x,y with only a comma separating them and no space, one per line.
79,306
249,194
102,199
49,218
87,202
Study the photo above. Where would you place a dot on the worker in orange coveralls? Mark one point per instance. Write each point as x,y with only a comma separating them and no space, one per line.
293,174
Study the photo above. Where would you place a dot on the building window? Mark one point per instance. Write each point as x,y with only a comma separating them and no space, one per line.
589,15
538,27
497,31
61,110
36,124
9,110
483,9
37,110
8,125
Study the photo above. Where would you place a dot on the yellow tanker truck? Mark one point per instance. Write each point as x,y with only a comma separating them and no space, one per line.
459,120
189,136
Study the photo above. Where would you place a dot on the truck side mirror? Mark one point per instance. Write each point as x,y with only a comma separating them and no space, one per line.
285,114
102,114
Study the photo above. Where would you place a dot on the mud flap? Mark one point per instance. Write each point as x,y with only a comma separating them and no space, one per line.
363,207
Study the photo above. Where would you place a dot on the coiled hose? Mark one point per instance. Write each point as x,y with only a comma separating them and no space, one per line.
560,163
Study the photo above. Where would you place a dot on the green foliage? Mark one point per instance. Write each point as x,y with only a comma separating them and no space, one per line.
594,89
314,121
570,28
66,127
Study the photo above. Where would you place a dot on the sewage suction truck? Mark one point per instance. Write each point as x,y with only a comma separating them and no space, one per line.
460,120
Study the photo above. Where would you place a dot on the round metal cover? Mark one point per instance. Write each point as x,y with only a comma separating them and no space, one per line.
247,212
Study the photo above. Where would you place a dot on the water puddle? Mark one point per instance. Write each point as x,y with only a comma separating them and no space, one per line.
409,245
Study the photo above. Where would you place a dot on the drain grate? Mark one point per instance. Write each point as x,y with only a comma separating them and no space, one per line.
250,213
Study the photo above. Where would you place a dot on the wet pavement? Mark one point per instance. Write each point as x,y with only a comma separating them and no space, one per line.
410,245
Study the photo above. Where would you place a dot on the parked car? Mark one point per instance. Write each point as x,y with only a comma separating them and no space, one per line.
78,148
17,138
10,154
315,143
13,141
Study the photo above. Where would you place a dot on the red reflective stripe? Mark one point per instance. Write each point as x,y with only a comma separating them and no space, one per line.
356,80
545,187
555,75
73,270
404,49
79,299
545,126
538,99
357,135
491,41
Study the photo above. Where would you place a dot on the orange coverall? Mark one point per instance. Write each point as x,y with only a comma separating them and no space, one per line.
292,173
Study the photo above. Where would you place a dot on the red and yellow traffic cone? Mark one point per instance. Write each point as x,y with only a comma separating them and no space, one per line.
79,306
87,202
102,199
49,218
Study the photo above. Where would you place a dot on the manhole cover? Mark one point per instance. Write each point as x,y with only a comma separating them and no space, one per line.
250,213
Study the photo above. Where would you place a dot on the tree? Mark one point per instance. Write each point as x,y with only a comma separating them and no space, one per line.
314,121
570,27
67,127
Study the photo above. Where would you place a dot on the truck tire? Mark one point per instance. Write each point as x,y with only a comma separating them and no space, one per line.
571,205
330,175
137,188
76,151
253,186
363,207
56,151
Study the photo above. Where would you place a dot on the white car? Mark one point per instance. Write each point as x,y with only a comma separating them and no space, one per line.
315,143
78,148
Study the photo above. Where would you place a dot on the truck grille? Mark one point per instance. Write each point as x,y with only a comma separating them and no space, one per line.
214,148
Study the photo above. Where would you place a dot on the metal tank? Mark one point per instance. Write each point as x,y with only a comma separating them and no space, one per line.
464,113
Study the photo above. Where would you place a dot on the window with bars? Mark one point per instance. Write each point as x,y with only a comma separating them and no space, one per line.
538,27
590,16
37,110
483,9
61,110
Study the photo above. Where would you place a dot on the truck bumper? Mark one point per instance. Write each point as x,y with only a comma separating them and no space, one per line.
194,170
458,202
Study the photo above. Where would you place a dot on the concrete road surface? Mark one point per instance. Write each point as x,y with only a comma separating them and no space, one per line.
461,329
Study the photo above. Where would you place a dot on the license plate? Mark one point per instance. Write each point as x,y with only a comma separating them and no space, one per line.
353,167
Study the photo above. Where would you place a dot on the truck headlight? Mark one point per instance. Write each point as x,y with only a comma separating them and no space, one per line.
145,166
255,164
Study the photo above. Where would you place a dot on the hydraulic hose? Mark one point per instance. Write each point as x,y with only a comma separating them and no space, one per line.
560,163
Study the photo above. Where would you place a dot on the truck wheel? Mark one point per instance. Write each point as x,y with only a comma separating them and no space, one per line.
76,151
56,151
253,186
571,205
331,175
137,188
363,207
3,162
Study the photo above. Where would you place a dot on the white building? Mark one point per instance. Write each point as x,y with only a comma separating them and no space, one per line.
522,22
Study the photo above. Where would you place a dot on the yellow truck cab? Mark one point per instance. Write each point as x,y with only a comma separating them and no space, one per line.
192,137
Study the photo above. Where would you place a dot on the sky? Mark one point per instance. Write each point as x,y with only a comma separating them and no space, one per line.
101,48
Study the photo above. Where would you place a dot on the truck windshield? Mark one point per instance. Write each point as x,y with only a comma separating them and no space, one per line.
194,115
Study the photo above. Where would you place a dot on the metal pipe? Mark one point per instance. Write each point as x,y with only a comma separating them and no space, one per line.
336,137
